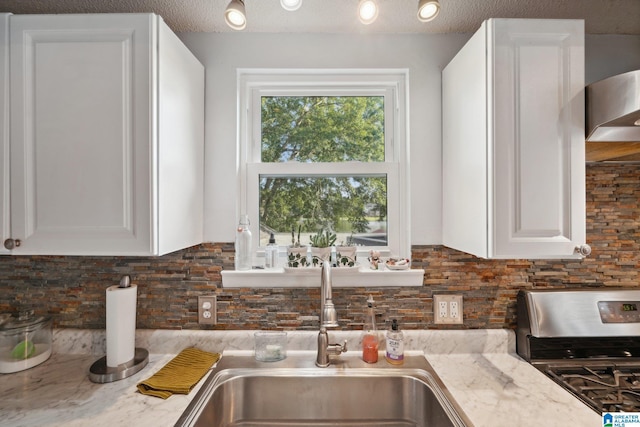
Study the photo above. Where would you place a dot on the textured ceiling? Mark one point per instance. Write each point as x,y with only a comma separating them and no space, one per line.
339,16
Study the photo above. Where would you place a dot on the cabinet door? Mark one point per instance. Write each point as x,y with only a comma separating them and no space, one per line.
5,214
537,120
464,148
81,130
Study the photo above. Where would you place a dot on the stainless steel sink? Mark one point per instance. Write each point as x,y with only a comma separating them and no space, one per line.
293,392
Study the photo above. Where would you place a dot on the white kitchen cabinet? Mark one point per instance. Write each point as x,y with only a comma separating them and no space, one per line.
107,136
513,141
5,226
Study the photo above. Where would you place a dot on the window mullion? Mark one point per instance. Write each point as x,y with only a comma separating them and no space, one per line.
322,169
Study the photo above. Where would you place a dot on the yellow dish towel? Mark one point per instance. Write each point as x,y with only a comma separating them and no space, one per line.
180,375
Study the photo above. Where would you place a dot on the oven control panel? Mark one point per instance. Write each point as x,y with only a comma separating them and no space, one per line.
619,311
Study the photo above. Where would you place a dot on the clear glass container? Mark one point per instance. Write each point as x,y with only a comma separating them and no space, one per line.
270,346
244,257
370,335
25,342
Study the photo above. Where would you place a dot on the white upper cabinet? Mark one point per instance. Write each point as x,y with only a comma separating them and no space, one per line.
5,225
107,136
513,141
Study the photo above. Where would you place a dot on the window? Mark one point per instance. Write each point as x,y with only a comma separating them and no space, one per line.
325,149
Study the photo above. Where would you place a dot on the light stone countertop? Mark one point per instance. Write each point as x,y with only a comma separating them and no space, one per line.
492,385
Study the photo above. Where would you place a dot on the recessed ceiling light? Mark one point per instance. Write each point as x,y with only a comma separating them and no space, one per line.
367,11
235,16
428,10
291,5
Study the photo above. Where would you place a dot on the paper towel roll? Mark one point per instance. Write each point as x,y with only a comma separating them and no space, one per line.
121,324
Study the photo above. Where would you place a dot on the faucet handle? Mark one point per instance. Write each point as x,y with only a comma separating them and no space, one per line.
342,348
336,349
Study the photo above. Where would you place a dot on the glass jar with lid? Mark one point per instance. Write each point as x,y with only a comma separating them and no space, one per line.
25,341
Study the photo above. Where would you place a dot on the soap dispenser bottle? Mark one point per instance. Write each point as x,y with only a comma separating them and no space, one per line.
370,335
271,253
395,344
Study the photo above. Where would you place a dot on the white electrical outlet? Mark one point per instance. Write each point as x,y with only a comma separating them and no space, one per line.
442,309
453,309
447,309
207,310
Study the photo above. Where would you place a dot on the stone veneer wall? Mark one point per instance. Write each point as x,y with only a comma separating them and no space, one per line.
72,289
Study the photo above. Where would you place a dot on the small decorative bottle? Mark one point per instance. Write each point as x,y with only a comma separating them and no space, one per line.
370,336
395,344
243,244
271,253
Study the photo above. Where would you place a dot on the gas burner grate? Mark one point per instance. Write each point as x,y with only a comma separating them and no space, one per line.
603,388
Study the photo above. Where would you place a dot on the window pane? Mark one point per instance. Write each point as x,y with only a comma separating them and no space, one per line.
322,128
353,207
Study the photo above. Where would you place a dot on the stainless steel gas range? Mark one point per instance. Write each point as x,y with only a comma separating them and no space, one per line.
588,341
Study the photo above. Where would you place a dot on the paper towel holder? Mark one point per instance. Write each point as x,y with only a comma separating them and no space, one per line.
101,373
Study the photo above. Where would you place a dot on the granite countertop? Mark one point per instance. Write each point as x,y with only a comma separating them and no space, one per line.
492,385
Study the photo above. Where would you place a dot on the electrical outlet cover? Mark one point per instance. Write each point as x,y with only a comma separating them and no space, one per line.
207,310
447,309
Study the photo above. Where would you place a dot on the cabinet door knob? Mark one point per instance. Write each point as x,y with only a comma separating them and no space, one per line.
584,250
11,243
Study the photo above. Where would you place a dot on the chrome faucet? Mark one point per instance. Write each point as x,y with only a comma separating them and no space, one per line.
328,319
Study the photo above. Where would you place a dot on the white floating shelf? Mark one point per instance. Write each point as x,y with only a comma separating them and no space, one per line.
310,278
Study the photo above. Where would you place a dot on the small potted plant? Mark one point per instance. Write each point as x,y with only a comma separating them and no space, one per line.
321,244
296,253
346,253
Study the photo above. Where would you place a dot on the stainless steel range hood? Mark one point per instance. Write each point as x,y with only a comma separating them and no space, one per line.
613,118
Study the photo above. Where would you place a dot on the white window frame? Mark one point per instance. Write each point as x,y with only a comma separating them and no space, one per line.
392,84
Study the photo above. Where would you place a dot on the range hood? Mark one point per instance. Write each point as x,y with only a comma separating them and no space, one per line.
613,118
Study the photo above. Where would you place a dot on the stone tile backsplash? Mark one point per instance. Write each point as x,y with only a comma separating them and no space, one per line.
72,289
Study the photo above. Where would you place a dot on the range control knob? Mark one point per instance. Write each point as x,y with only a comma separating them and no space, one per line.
584,250
10,244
